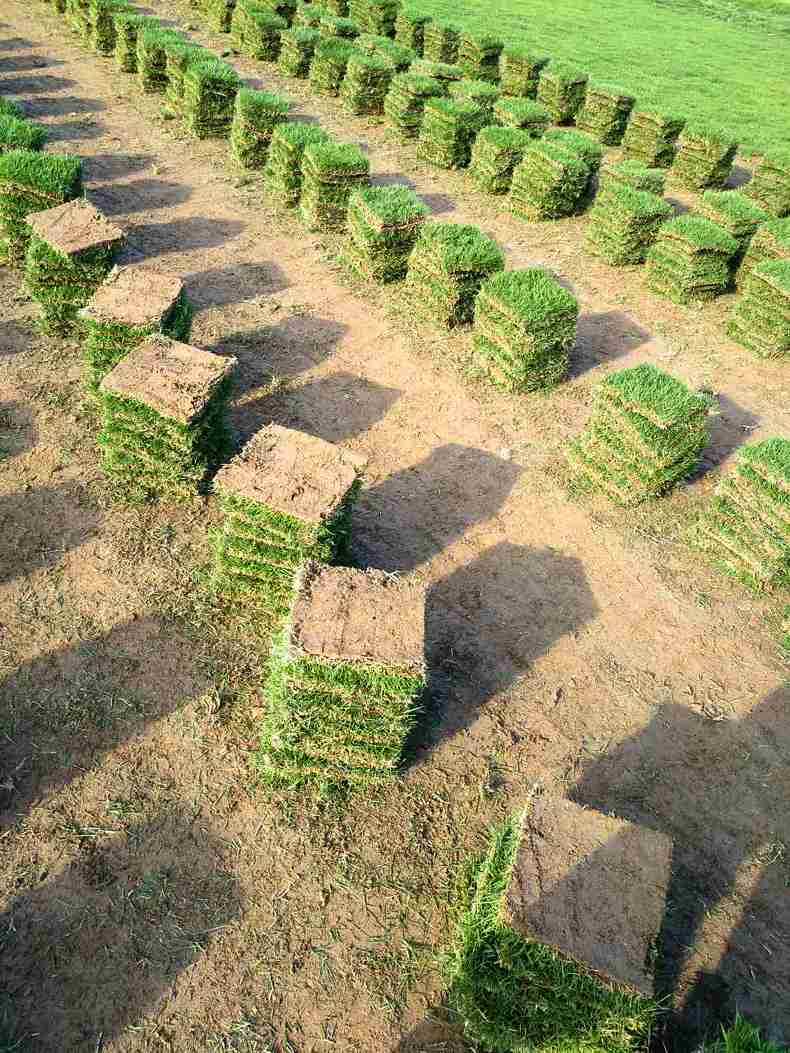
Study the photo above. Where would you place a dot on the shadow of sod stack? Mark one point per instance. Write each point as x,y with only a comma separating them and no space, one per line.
383,224
760,319
404,104
650,137
771,241
256,114
330,174
282,177
704,157
29,182
624,223
690,260
770,183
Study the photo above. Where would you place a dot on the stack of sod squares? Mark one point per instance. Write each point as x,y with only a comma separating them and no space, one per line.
334,26
220,14
377,16
519,975
210,89
524,329
650,137
444,72
690,260
78,16
336,7
133,304
72,249
495,154
19,134
257,30
347,679
605,113
31,181
282,179
447,266
549,182
735,213
297,47
478,56
309,15
102,18
561,88
331,172
633,174
770,184
163,418
128,27
330,61
404,105
285,9
366,84
704,157
746,529
285,498
519,72
398,58
760,319
410,29
448,130
645,434
178,55
479,92
516,112
383,222
440,42
624,223
256,114
588,149
771,241
152,57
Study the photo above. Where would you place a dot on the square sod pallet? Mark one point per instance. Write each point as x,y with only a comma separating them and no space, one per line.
163,418
650,137
440,41
524,329
478,56
480,92
256,114
346,682
645,434
102,12
282,176
771,241
328,68
72,249
152,57
297,47
517,112
219,14
449,263
444,72
448,131
365,85
257,31
495,154
398,58
561,88
210,90
410,29
331,172
704,157
735,213
746,528
624,223
760,319
285,498
633,174
770,184
566,907
549,183
605,113
519,72
29,182
690,261
383,223
128,27
404,105
19,134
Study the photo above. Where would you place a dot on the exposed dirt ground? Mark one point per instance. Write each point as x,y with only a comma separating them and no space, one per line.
152,897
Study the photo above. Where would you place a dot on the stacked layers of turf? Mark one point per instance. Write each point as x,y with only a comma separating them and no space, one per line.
524,329
366,84
440,41
178,57
256,114
128,27
102,18
519,72
605,113
561,88
346,680
404,105
624,223
78,16
580,143
331,172
284,9
410,29
220,14
444,72
448,131
495,154
163,418
704,157
690,260
548,183
375,16
297,47
771,241
479,92
397,57
210,89
152,57
29,182
645,434
283,172
335,26
517,112
650,137
770,184
309,15
257,31
633,174
735,213
447,266
478,56
383,222
760,319
19,134
328,68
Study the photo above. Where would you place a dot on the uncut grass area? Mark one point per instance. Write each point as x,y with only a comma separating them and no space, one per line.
720,61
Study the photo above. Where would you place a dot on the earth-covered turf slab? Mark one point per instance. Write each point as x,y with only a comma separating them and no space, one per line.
561,88
704,157
404,105
645,434
440,41
178,57
346,682
219,14
309,15
152,58
328,68
256,114
286,498
524,329
383,222
478,56
735,213
375,16
624,223
746,528
102,20
770,184
297,47
760,319
365,85
335,26
128,27
19,134
29,182
550,182
257,31
210,90
690,261
282,180
480,92
163,418
651,136
519,71
771,241
410,29
132,304
553,928
448,131
397,57
444,72
495,154
72,249
631,173
517,112
605,113
449,263
331,172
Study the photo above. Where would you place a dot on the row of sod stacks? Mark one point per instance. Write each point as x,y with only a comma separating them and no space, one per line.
331,172
519,72
78,17
524,329
102,14
770,184
760,319
561,88
257,31
152,58
133,304
444,72
383,223
440,42
398,58
448,131
771,241
404,105
128,27
447,266
650,137
256,114
297,47
479,92
29,182
735,213
478,56
605,113
72,249
549,183
283,173
179,55
516,112
163,418
365,84
746,529
633,174
495,154
410,30
346,680
334,26
645,434
210,89
19,134
624,223
704,157
220,14
329,65
690,260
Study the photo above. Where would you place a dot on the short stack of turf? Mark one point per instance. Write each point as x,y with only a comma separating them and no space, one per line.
519,72
398,58
404,105
518,112
735,213
297,47
210,89
255,116
746,528
376,16
448,130
645,434
328,68
220,14
283,172
309,16
770,183
704,157
19,134
605,113
152,42
690,260
495,154
562,88
448,264
257,31
179,55
650,137
480,92
128,27
342,694
478,56
102,18
383,223
771,241
549,183
624,223
444,72
633,174
440,41
336,26
331,172
524,329
410,29
760,319
588,148
365,84
29,182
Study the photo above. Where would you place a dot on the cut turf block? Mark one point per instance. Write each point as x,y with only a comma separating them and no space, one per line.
495,154
72,249
334,26
309,15
347,679
524,329
410,29
128,27
257,31
29,182
771,241
283,173
220,14
444,72
256,114
102,20
704,157
517,112
760,319
480,92
588,148
375,16
645,434
330,61
624,223
690,260
605,113
449,263
365,85
78,15
19,134
735,213
152,58
561,88
478,56
210,90
440,42
397,58
404,105
331,172
633,174
285,498
650,137
383,222
178,57
163,418
519,72
770,184
134,303
296,51
448,131
550,182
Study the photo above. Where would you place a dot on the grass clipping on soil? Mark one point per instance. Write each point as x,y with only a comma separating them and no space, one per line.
760,319
256,114
624,223
404,105
495,154
770,184
690,260
330,174
650,137
549,182
383,223
282,179
448,131
29,182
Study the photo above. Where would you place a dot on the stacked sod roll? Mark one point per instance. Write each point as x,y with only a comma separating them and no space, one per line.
19,134
383,224
328,68
605,112
220,14
297,47
29,182
398,58
561,88
336,7
645,434
650,137
624,223
347,679
548,183
152,57
771,241
330,174
179,55
690,260
444,72
256,114
448,131
440,42
704,157
633,174
479,92
365,84
770,183
410,29
760,319
210,88
478,56
102,20
257,31
517,112
519,72
495,154
404,105
128,27
283,173
735,213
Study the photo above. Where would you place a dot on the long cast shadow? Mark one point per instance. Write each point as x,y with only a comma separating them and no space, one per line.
728,428
140,195
62,106
182,235
17,429
35,85
106,168
22,63
604,336
222,286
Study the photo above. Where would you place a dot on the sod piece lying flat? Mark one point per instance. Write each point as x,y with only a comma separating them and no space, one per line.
519,71
624,223
495,154
210,90
152,57
605,112
770,183
410,29
650,137
704,157
128,26
255,116
478,56
282,178
771,241
633,174
549,182
517,112
561,88
690,260
365,84
328,68
404,105
19,134
331,172
29,182
440,42
383,223
297,47
448,131
760,319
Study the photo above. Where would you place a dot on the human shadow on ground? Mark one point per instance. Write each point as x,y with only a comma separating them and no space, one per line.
140,195
181,235
729,426
235,283
603,336
106,168
34,84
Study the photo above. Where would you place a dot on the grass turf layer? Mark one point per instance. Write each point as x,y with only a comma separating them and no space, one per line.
151,58
19,134
383,222
516,112
760,319
328,68
550,182
102,19
633,174
398,58
478,56
440,42
128,27
330,173
255,116
257,30
283,172
30,182
690,260
410,29
624,223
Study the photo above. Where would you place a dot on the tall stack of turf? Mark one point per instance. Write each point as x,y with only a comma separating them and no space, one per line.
383,223
336,7
377,16
132,304
336,26
605,113
297,47
650,137
760,319
478,56
550,182
624,223
152,42
78,17
517,112
256,114
479,92
562,88
495,154
771,241
440,42
746,528
690,260
309,15
257,31
770,183
72,249
524,329
448,131
331,172
365,84
448,264
284,9
328,68
347,676
404,105
19,134
220,14
704,157
29,182
397,57
285,498
735,213
588,148
444,72
102,18
633,174
645,434
163,418
210,89
519,72
283,173
179,55
410,29
128,27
